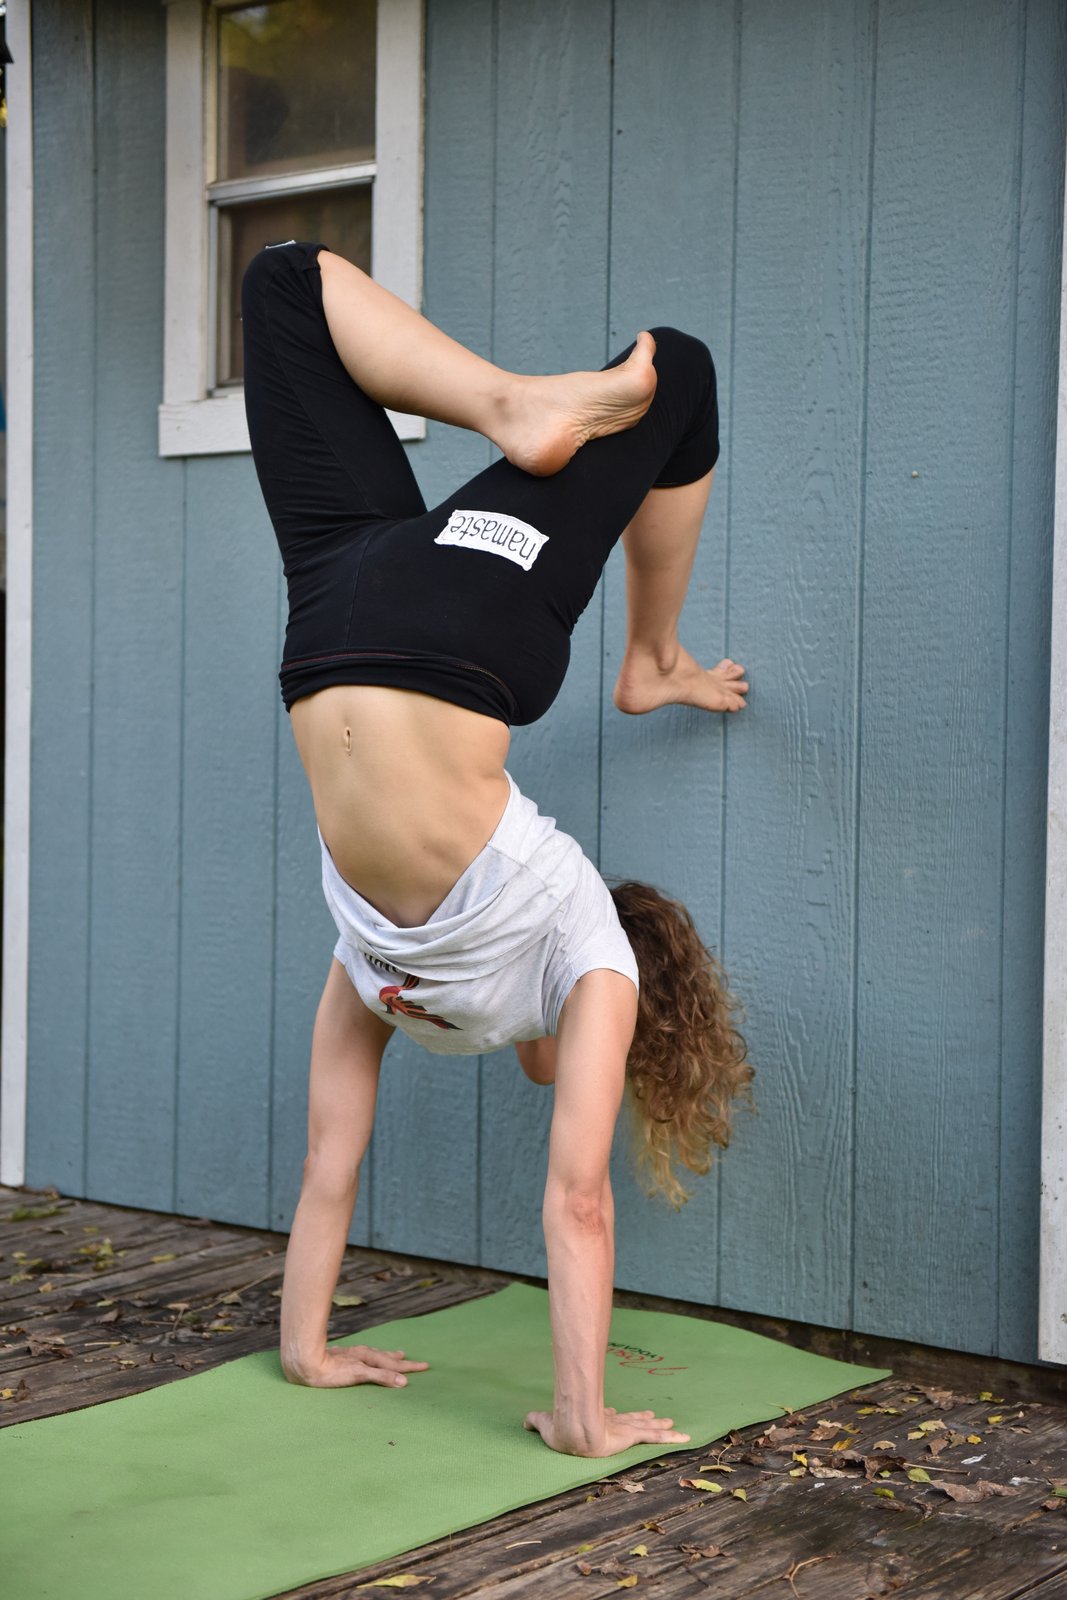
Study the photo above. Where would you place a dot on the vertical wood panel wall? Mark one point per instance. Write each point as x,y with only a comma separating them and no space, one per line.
857,204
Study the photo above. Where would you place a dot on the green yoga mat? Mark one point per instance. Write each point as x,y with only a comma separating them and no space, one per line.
233,1484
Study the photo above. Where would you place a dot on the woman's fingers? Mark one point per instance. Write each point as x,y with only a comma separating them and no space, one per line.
393,1359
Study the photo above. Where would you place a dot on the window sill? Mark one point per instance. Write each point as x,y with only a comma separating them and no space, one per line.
217,426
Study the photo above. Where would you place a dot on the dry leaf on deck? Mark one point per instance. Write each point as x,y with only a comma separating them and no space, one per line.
702,1550
982,1490
700,1483
777,1437
823,1431
348,1300
404,1580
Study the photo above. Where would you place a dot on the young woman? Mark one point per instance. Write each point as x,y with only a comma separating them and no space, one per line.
415,639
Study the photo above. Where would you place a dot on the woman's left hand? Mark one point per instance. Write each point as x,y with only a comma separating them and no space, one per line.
620,1430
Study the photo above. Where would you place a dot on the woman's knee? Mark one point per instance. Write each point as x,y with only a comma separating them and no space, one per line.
682,351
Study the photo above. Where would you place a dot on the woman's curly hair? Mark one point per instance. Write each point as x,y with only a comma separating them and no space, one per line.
687,1061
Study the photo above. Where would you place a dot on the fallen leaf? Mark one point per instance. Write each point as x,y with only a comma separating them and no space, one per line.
885,1444
32,1213
931,1427
824,1430
829,1472
994,1420
425,1283
935,1446
776,1436
982,1490
798,1455
349,1300
700,1483
1054,1505
404,1580
639,1550
630,1485
655,1527
887,1493
713,1466
915,1434
45,1288
739,1494
44,1346
610,1568
111,1316
628,1582
797,1472
171,1255
918,1475
974,1438
702,1550
942,1398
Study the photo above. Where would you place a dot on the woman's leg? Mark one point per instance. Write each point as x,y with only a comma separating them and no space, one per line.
403,362
660,545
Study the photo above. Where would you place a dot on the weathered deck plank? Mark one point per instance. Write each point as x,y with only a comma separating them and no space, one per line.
810,1537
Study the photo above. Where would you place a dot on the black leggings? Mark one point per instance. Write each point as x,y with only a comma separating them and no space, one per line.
474,601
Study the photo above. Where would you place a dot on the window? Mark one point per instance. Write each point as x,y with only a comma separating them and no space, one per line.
290,119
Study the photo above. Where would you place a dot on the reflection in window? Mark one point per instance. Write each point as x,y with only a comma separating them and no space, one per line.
295,86
294,153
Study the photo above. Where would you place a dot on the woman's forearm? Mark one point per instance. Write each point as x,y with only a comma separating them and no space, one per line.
580,1240
312,1262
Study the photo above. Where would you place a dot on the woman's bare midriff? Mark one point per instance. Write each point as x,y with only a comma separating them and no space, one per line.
407,790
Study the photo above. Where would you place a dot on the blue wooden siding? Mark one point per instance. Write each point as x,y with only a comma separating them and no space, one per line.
858,204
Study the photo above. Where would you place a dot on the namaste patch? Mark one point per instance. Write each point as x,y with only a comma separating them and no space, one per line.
496,533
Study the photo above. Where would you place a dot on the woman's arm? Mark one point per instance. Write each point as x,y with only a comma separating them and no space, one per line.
346,1055
595,1029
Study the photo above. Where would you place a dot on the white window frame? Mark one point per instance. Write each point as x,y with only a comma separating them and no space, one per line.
192,420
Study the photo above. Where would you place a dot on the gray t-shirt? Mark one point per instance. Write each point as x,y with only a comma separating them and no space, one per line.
503,950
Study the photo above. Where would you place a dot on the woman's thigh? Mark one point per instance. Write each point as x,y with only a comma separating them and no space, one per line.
326,454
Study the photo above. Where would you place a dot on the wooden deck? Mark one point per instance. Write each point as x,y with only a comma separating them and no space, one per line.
99,1301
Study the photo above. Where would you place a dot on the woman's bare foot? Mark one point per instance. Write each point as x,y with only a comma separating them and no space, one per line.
543,421
644,683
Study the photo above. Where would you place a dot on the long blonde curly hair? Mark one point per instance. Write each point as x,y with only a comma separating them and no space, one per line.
688,1062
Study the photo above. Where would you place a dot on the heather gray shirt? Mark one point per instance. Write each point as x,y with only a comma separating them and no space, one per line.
503,950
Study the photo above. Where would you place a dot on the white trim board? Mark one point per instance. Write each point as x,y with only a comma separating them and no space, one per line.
192,421
1052,1312
18,148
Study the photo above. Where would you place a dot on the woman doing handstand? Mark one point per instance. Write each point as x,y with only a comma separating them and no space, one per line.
415,640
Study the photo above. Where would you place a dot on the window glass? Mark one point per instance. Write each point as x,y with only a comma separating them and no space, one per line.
337,218
295,86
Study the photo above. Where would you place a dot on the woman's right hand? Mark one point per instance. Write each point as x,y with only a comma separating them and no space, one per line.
340,1367
621,1430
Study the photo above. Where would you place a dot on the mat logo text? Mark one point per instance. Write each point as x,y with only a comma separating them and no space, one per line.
631,1355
